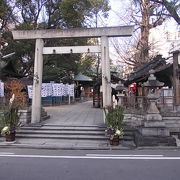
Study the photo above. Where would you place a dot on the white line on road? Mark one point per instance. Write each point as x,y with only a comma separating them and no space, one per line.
6,153
93,157
127,155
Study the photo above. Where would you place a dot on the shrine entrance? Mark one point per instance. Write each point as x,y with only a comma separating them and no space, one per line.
103,33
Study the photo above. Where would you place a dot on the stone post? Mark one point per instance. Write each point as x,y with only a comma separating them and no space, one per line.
106,78
176,81
37,82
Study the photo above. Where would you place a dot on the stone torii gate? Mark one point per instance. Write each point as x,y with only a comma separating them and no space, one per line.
39,35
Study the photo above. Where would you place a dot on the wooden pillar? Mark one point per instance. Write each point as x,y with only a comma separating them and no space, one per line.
37,82
176,76
106,78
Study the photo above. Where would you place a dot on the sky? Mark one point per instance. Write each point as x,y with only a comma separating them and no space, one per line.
118,7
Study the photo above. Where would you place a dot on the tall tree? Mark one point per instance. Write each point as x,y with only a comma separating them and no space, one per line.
50,14
7,14
146,14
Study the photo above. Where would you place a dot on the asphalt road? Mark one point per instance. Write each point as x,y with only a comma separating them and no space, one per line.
22,164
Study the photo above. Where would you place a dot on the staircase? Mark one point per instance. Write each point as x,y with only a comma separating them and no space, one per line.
70,135
64,136
62,132
173,123
128,137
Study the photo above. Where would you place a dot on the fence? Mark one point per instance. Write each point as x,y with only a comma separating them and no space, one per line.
139,104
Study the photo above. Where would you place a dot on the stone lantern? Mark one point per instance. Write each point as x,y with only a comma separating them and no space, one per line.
153,123
120,88
153,130
152,84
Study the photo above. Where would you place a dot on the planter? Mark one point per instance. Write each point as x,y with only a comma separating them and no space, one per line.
114,141
10,137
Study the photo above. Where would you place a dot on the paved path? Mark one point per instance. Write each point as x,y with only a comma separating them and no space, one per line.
80,114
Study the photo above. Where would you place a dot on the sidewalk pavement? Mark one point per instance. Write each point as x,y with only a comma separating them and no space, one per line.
62,145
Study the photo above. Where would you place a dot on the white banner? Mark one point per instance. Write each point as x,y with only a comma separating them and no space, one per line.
53,89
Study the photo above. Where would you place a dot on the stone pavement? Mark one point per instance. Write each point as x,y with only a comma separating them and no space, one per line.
76,114
79,115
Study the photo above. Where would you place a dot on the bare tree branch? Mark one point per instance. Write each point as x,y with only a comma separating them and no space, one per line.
170,8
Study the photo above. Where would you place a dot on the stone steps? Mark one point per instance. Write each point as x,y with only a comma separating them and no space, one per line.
62,132
170,114
175,118
175,125
172,123
93,133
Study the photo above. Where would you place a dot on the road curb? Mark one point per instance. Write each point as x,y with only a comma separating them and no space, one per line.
158,148
58,147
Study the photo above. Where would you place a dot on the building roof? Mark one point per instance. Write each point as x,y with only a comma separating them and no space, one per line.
81,77
162,70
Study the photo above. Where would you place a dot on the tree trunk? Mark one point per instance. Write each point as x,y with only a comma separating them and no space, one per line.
144,44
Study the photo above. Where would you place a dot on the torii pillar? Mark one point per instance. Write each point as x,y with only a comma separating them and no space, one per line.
37,81
106,77
104,33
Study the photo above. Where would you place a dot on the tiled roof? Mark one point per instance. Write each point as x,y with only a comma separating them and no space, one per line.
81,77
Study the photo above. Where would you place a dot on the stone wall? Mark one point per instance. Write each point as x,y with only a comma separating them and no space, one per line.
25,116
133,120
172,121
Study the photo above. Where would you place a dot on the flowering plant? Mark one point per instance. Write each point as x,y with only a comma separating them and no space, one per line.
10,117
112,133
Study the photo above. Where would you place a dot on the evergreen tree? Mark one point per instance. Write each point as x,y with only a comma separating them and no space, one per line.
50,14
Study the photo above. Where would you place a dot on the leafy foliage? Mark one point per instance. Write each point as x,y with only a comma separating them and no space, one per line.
10,116
85,65
114,117
49,14
6,14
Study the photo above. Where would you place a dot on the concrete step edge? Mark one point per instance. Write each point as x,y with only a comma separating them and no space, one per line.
61,137
78,125
171,117
60,129
172,121
60,132
58,136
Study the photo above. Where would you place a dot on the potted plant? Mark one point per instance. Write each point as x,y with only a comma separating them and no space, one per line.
10,120
114,120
